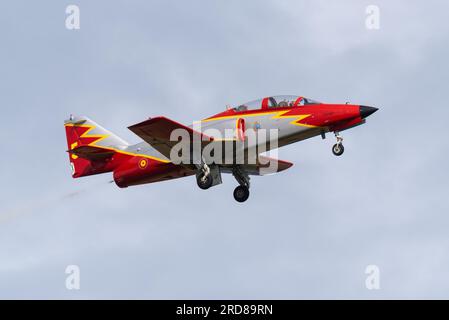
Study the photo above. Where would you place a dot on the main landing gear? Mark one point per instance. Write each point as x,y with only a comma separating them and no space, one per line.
241,193
338,148
204,178
204,181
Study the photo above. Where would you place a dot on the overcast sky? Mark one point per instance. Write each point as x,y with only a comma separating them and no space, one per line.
308,232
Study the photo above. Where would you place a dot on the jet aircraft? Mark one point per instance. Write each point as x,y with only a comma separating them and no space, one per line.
233,141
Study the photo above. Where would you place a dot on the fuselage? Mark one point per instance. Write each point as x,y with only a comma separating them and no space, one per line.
292,122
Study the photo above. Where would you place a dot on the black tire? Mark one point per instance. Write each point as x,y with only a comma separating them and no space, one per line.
338,149
241,193
204,183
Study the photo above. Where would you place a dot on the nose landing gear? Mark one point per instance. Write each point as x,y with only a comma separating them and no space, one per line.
338,148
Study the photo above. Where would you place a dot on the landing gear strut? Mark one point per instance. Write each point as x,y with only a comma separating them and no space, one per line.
241,193
338,148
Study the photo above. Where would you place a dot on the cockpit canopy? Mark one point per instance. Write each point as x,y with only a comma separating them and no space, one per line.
275,102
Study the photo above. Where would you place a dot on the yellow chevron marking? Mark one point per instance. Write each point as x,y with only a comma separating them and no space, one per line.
104,136
86,134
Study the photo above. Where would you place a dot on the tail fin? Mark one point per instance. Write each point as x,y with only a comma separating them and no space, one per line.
90,146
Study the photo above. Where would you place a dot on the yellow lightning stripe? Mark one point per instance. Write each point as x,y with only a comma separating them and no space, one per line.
104,136
276,115
242,116
99,137
297,117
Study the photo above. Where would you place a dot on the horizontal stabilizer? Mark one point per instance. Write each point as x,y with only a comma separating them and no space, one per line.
91,153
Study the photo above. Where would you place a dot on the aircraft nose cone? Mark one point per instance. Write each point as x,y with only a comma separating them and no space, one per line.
365,111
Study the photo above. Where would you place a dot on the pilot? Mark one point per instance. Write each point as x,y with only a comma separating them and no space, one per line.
283,103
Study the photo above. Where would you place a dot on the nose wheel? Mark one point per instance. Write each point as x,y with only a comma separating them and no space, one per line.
338,148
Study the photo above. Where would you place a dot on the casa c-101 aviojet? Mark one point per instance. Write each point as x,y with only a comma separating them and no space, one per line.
94,150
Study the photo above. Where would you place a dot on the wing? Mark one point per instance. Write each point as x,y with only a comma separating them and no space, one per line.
280,164
264,166
157,132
